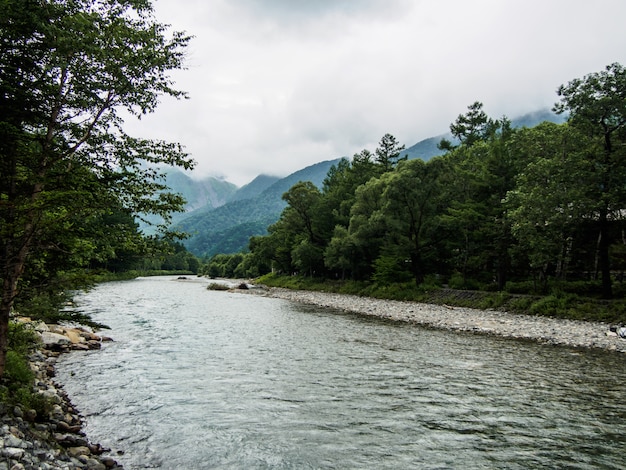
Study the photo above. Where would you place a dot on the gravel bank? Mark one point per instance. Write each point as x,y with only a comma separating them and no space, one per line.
543,329
56,441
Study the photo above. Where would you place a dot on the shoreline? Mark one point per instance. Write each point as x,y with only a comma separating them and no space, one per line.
55,441
545,330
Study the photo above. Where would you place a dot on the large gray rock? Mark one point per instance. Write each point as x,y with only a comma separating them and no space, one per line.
54,339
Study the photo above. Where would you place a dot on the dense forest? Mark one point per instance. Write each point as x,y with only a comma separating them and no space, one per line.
72,182
503,207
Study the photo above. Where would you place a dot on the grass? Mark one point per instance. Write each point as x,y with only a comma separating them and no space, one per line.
560,303
16,385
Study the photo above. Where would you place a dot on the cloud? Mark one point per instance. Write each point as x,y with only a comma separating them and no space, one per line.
276,85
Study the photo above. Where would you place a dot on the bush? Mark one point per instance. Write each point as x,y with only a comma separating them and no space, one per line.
520,304
456,281
17,371
22,339
557,304
18,379
217,286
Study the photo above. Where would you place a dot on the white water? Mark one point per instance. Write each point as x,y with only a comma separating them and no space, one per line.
202,379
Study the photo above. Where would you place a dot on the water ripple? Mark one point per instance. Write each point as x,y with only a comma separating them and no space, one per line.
204,379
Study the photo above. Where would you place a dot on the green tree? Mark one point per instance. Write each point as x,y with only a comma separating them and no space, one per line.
341,182
303,199
483,171
411,205
551,201
596,105
69,71
339,254
474,125
388,153
367,230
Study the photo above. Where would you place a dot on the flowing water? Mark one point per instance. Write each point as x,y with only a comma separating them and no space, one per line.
200,379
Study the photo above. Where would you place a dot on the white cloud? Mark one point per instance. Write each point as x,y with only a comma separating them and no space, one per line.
276,85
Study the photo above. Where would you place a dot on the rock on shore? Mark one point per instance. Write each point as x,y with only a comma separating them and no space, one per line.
56,441
571,333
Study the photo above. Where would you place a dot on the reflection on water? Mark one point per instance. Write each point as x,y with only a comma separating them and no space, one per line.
205,379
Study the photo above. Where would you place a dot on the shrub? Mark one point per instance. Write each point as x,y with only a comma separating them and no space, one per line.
456,281
217,286
557,304
17,371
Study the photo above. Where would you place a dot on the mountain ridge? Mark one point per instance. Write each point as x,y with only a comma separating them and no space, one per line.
253,207
231,225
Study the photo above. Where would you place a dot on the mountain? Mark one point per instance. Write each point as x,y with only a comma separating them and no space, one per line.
252,208
209,192
254,187
427,148
228,228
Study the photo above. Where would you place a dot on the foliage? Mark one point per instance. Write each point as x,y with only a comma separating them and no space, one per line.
16,385
217,286
597,109
71,179
513,212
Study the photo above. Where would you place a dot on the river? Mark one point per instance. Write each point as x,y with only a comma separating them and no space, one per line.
200,379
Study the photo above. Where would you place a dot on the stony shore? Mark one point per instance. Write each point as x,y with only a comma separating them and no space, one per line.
579,334
56,441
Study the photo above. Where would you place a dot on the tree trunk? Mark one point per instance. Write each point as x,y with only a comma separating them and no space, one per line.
416,265
603,255
12,273
15,253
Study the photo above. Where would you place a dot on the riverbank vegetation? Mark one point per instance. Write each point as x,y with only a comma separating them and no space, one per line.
73,183
513,212
560,303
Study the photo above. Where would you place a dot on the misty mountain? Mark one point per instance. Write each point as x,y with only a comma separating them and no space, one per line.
252,208
210,191
228,228
427,148
254,187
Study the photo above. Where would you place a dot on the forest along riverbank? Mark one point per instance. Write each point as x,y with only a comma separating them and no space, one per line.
547,330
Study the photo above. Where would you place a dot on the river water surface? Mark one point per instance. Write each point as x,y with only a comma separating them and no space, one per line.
200,379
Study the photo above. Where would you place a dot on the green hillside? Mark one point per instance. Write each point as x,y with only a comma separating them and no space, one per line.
255,206
228,228
427,148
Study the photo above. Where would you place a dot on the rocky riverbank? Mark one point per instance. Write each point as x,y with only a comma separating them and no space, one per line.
55,441
579,334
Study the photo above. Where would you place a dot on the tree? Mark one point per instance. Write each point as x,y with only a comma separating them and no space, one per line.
68,71
411,206
471,127
550,201
388,152
596,105
366,231
342,181
303,198
483,174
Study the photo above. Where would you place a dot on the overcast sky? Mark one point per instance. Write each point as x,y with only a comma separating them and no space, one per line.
277,85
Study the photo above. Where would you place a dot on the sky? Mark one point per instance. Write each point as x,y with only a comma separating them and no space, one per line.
277,85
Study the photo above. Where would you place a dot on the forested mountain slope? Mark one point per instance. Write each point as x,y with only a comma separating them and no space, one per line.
427,148
228,228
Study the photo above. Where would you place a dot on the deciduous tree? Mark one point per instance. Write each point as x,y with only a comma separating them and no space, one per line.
68,72
596,105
